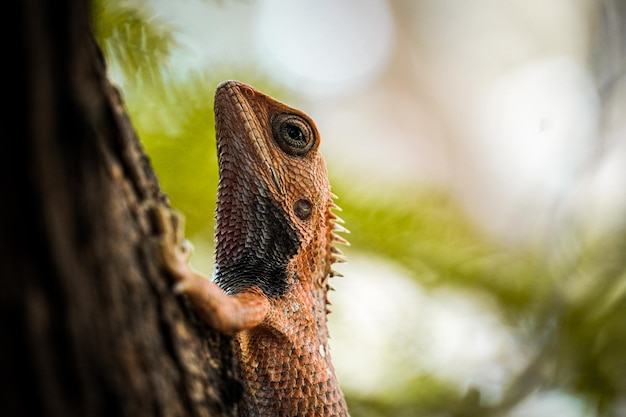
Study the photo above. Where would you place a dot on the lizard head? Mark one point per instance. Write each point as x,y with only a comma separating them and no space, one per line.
274,223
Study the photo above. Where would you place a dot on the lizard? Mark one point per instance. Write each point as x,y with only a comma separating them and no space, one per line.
276,236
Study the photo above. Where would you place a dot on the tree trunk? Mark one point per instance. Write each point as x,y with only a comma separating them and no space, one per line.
90,326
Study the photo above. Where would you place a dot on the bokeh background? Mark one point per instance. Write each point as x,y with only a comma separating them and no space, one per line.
479,153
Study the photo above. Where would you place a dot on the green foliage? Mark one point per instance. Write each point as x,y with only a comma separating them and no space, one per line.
570,309
135,42
178,133
173,119
591,334
427,233
425,395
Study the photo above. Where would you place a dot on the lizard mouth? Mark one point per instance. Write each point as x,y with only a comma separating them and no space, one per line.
235,95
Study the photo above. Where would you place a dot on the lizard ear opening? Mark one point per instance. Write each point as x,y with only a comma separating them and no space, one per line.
293,134
303,209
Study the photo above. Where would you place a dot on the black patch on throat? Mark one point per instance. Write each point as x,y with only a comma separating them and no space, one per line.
270,244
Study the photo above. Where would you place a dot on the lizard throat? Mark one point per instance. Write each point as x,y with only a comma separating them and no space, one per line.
255,251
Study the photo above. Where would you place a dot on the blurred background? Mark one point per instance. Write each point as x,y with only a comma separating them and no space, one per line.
479,153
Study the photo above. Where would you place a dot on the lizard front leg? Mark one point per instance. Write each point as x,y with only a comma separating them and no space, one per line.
226,314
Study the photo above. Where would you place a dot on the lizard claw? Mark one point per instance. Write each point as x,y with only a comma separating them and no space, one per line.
187,248
180,287
174,249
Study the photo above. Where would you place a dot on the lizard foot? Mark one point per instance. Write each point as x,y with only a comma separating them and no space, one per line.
174,249
227,314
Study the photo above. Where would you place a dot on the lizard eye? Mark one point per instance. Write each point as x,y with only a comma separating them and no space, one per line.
293,134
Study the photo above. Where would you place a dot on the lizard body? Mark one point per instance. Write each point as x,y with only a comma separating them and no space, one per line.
275,245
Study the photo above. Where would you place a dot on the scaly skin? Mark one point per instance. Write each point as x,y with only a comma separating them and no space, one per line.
275,247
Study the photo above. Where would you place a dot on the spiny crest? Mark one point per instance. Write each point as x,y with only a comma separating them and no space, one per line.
336,255
336,227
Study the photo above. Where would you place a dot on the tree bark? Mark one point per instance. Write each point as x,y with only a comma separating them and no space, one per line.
89,324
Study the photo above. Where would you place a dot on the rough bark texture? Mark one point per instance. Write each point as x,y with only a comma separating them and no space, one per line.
89,324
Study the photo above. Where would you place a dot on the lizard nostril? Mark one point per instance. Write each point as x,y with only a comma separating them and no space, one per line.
303,209
248,91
